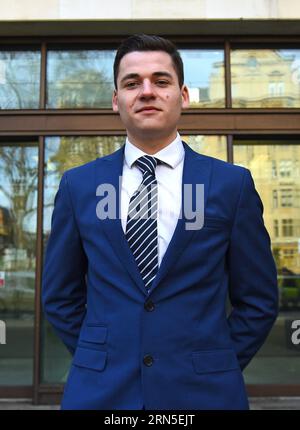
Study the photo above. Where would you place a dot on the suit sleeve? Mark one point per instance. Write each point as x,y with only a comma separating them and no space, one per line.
253,290
65,266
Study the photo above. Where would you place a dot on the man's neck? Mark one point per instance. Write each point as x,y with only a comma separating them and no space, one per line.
152,146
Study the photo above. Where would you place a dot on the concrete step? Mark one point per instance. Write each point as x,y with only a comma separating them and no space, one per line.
256,403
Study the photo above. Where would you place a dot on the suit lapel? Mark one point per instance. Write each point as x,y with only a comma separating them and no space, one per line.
109,171
196,170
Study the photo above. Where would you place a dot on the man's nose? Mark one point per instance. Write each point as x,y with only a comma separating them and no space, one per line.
147,89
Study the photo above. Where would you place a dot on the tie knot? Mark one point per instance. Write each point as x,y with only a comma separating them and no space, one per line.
146,163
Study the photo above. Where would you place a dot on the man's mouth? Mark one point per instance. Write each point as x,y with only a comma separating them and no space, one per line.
148,109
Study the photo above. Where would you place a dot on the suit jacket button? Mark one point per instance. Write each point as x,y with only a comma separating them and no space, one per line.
148,360
149,306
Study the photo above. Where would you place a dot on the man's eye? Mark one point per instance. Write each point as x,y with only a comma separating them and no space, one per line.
162,82
131,84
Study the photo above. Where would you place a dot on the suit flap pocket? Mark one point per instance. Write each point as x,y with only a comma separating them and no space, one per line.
90,358
214,361
94,334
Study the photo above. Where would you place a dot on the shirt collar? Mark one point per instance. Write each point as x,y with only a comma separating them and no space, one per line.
172,154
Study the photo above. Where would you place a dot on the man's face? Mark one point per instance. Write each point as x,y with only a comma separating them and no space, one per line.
148,97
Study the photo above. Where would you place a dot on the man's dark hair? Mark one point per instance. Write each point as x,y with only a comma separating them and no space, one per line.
145,42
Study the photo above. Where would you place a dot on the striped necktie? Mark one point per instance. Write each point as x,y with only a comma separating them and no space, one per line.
141,227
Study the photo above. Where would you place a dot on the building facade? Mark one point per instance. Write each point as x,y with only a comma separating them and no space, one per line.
242,67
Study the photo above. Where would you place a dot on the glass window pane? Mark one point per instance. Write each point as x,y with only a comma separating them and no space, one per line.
79,79
204,76
61,154
19,79
214,146
265,78
276,171
18,212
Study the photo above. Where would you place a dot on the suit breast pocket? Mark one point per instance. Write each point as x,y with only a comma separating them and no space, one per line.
211,223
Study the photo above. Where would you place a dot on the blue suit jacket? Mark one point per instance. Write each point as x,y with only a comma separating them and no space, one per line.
94,296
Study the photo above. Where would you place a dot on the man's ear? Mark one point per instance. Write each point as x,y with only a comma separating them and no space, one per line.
115,101
185,97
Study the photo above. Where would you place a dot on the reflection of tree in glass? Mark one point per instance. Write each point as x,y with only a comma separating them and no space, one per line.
78,79
19,80
75,151
19,186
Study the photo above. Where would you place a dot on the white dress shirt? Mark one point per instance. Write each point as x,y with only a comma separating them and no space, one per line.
169,182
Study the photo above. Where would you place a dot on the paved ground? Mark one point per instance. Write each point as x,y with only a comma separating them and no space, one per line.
256,403
279,403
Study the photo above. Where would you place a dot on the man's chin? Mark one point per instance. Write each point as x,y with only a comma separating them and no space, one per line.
147,132
151,126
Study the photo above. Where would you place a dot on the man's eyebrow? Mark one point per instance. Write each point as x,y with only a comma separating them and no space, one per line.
136,75
130,76
163,74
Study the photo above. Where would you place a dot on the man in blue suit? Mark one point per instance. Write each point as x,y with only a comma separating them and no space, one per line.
146,245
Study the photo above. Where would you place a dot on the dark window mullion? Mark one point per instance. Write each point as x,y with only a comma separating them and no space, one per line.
38,273
228,97
43,76
230,148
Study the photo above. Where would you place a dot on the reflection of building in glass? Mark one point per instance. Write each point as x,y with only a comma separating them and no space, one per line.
214,146
265,78
216,83
276,171
259,78
201,66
